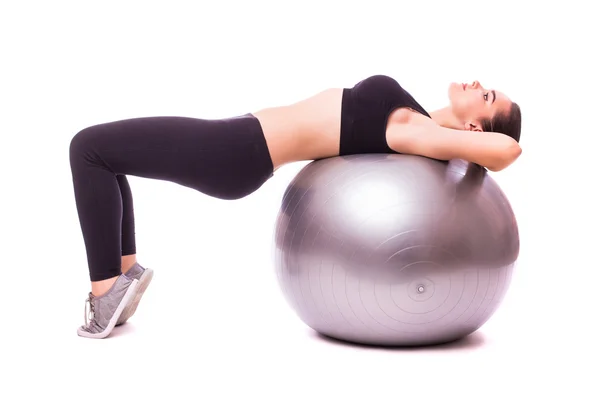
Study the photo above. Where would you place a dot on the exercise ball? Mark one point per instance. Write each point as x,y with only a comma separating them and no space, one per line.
394,250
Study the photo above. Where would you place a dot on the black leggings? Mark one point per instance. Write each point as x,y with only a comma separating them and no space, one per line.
225,158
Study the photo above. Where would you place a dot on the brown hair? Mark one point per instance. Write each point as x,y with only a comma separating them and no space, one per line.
508,123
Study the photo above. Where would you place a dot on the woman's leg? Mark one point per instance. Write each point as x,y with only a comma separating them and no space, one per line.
129,265
128,248
225,158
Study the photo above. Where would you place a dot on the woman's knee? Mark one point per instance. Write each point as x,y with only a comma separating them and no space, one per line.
85,149
84,142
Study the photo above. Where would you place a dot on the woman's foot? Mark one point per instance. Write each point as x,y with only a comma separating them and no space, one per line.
144,276
105,310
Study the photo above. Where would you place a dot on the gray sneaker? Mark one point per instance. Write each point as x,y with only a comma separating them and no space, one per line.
144,276
104,310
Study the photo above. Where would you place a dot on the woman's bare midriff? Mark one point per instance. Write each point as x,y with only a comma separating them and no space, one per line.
310,129
306,130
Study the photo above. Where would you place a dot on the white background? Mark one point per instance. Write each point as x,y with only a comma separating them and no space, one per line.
214,324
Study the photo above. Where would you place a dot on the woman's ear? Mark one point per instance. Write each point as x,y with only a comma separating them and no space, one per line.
473,126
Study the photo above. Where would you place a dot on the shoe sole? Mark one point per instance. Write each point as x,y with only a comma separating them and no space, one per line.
130,309
129,295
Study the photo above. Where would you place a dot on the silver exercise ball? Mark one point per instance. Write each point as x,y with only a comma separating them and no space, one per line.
394,250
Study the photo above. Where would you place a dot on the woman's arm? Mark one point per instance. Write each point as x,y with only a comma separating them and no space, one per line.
494,151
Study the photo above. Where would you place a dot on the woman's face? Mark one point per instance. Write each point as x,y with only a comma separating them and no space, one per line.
472,103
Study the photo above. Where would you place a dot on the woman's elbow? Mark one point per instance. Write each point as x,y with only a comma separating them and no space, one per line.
506,157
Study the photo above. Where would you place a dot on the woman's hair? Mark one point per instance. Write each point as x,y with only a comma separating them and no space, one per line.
508,123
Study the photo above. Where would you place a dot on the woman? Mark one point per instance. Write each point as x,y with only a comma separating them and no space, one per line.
231,158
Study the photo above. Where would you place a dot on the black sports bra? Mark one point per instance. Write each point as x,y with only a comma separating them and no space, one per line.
365,111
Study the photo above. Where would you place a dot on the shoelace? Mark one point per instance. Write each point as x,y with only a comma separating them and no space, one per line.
88,314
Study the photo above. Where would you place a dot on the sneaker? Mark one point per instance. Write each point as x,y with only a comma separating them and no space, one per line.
105,310
144,276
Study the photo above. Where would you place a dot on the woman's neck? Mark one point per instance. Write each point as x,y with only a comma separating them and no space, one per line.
446,118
